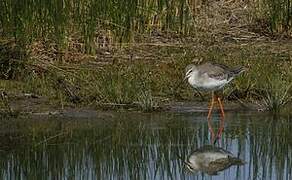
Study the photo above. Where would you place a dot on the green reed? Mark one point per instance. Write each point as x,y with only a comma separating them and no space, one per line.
280,14
128,85
59,20
86,21
12,57
277,14
276,93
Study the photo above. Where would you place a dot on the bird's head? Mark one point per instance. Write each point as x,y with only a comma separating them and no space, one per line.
192,166
189,70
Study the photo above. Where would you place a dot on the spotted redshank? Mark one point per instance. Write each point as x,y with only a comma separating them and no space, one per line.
211,160
211,77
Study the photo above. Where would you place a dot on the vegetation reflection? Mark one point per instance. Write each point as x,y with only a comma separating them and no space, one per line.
140,146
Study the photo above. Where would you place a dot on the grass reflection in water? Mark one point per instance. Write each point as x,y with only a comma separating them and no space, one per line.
141,146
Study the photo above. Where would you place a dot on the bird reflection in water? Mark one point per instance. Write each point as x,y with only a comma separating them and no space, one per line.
219,132
210,159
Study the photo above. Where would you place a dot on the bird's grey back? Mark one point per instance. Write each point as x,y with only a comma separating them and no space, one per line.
211,148
219,71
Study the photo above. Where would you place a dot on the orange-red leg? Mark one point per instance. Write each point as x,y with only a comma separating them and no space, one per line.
221,107
209,119
211,130
221,128
211,107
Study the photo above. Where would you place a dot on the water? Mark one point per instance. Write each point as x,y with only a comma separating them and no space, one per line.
141,146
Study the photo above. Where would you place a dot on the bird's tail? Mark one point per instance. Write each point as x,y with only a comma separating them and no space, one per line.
238,70
236,161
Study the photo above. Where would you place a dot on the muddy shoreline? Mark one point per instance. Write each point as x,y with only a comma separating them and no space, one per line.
40,106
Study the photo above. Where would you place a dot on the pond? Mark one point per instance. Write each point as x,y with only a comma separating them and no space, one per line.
129,145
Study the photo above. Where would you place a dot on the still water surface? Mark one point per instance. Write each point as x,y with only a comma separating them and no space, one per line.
142,146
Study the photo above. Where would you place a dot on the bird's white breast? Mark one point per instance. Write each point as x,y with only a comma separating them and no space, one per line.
199,160
204,82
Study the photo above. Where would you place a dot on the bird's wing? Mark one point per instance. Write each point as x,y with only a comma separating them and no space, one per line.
205,148
214,70
211,148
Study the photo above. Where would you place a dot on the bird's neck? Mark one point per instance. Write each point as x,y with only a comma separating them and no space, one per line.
193,77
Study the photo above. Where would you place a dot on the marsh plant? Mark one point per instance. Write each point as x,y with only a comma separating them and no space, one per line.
60,21
4,102
146,101
122,85
57,20
279,14
116,85
275,94
12,59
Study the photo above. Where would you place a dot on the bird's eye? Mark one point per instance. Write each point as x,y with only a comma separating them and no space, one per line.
189,72
190,167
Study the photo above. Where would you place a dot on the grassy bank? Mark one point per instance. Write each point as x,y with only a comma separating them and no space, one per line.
132,54
146,80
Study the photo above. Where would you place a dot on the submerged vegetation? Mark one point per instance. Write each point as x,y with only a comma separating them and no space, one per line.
132,54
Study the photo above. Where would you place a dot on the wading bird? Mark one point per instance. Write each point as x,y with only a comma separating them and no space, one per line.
211,160
211,77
